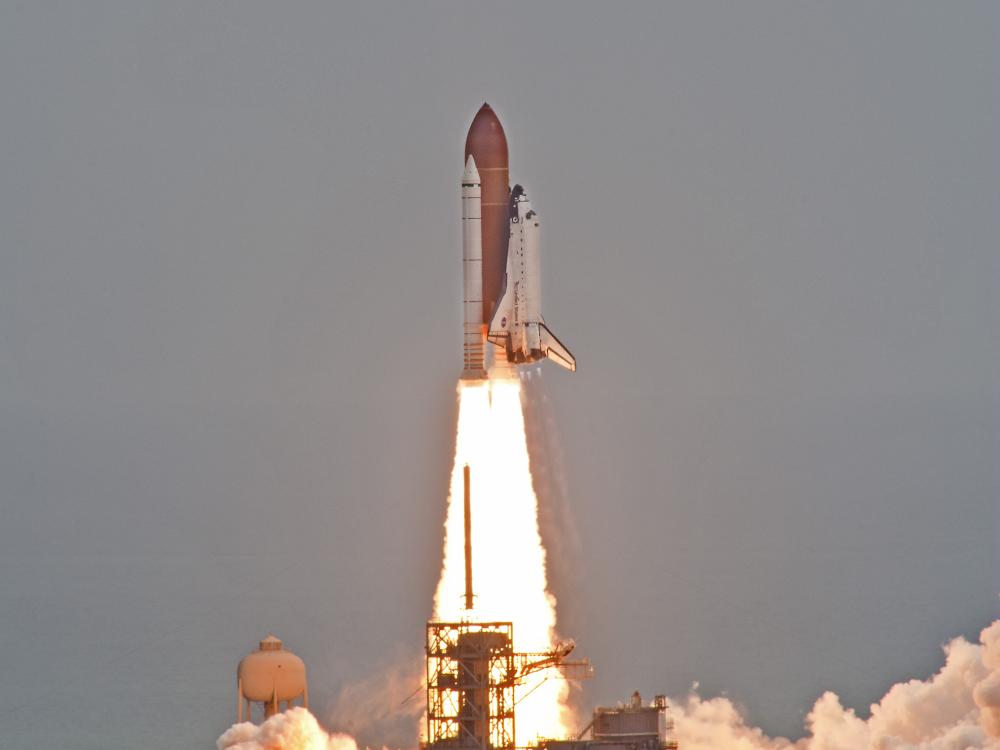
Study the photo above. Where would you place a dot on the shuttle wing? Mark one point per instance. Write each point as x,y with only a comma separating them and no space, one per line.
554,349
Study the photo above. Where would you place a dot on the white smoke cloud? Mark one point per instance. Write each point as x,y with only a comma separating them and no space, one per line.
986,693
956,709
296,729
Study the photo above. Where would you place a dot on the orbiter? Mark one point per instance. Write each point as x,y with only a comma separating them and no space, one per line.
501,265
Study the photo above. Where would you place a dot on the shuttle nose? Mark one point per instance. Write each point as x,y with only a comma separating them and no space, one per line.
486,141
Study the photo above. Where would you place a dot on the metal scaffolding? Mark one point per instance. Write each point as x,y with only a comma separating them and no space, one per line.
471,675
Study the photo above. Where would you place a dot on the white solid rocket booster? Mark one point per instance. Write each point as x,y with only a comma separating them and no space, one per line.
472,272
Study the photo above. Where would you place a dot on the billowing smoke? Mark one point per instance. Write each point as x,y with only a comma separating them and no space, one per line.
956,709
295,729
386,708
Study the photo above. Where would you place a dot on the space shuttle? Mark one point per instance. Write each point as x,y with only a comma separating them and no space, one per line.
518,327
500,259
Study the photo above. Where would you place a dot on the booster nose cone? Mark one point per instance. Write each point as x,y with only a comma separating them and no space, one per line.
471,174
486,141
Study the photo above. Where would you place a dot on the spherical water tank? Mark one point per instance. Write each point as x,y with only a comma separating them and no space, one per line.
272,676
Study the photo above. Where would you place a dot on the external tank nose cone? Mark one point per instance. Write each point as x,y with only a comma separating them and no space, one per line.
486,141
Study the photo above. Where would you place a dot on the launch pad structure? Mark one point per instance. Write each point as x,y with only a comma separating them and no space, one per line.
470,685
473,671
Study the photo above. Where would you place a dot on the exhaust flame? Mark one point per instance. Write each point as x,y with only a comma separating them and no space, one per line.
508,555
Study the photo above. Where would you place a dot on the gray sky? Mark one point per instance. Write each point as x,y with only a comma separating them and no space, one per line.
230,332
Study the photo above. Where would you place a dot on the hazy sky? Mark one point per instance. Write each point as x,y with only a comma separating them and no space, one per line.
230,330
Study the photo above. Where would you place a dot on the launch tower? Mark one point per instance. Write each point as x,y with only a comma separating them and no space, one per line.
470,685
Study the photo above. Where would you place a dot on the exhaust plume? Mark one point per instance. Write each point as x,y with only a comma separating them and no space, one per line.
556,518
508,555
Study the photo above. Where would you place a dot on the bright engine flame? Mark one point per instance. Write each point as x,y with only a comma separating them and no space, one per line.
508,557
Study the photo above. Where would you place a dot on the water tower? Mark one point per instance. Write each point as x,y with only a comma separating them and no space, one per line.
270,676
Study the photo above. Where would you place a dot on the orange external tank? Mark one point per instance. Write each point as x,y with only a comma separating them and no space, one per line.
487,145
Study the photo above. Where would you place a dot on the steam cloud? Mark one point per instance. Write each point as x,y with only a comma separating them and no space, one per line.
296,729
956,709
